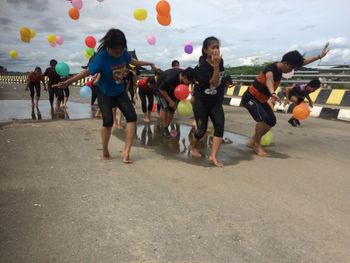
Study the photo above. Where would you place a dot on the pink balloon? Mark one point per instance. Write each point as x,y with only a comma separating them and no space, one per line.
78,4
151,40
53,44
59,40
188,43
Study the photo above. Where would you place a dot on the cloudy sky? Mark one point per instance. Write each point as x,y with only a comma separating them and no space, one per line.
251,31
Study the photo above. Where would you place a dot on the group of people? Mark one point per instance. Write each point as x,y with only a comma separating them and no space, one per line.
110,65
36,77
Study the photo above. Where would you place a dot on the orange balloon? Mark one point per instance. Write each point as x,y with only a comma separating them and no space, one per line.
301,111
163,8
25,39
74,13
164,20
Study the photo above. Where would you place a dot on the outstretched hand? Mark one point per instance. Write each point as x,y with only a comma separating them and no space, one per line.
61,85
325,50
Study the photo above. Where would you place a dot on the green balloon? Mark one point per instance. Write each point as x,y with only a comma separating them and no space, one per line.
184,108
266,140
62,69
90,51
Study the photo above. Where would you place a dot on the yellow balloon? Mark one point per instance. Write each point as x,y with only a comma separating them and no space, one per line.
51,38
13,54
25,39
140,14
86,55
32,33
25,32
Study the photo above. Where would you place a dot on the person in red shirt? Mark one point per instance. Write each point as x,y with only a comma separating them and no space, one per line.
147,86
34,79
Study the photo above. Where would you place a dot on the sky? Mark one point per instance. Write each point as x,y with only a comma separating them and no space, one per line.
250,31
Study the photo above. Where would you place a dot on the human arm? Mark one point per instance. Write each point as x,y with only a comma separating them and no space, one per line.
287,91
270,86
214,60
324,52
310,100
83,74
172,103
143,63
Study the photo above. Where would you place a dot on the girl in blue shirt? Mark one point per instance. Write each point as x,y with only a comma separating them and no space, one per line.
111,61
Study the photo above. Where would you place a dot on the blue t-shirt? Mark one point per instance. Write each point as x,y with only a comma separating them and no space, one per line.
112,71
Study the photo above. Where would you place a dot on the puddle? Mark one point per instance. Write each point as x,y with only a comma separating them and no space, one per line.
232,150
23,110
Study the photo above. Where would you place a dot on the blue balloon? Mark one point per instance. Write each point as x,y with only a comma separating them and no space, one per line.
85,92
62,69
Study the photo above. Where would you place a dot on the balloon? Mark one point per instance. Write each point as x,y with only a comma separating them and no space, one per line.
181,92
184,108
301,111
53,44
62,69
13,54
90,51
25,39
140,14
85,92
266,140
164,20
25,32
163,8
188,49
77,4
188,43
51,38
288,75
86,55
59,40
151,40
32,33
74,13
90,42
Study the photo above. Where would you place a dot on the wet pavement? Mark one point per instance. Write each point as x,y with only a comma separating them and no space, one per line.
232,151
23,110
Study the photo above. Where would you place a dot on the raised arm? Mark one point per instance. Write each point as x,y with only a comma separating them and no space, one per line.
324,52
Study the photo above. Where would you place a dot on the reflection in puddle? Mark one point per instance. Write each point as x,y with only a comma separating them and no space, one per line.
23,110
151,136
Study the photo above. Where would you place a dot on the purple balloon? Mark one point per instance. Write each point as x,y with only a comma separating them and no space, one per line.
188,49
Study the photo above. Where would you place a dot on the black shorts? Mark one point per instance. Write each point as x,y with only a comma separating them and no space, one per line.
261,112
300,98
122,101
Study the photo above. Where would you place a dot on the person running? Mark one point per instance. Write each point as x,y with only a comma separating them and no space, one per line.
264,87
111,61
34,79
167,83
297,94
147,87
208,98
54,79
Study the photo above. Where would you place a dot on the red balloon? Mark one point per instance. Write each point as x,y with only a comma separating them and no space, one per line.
90,41
301,111
154,107
181,92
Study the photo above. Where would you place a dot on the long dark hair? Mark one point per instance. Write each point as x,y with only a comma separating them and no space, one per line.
113,38
206,43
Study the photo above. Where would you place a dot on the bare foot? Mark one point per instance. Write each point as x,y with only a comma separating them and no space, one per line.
126,159
260,151
250,143
195,153
147,120
105,156
216,162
